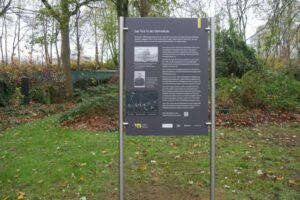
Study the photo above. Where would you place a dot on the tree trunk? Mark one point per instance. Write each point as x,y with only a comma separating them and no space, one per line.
65,56
45,30
31,46
1,43
78,40
57,54
125,8
5,41
1,48
144,8
52,40
122,8
65,46
56,47
14,45
102,50
96,42
96,53
19,31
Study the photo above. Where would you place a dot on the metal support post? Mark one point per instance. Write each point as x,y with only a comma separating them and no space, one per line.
213,110
121,67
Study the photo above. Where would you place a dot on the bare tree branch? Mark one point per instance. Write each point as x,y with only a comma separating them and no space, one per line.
55,14
5,9
78,5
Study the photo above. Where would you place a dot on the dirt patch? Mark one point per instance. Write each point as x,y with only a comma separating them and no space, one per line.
102,122
254,117
92,122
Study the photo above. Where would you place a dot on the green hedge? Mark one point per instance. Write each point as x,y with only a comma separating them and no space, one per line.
260,89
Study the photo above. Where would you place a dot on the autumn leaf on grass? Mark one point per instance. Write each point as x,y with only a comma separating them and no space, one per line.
196,145
64,183
173,145
142,168
6,198
164,163
40,181
200,184
279,178
153,162
79,165
21,195
82,164
292,182
104,151
81,178
259,172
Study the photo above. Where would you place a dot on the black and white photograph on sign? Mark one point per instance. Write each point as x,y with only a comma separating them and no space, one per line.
139,79
142,103
145,54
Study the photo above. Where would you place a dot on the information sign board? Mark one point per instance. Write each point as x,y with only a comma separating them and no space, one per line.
166,76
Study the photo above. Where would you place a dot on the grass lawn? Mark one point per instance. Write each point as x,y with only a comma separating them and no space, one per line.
39,160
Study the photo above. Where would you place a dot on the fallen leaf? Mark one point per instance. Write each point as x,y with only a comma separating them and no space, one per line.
292,182
199,184
21,195
6,198
279,178
259,172
153,161
81,178
226,186
65,183
82,164
143,168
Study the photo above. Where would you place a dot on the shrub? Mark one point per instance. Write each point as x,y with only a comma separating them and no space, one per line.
283,92
224,91
263,89
101,99
6,92
250,91
109,64
294,69
233,55
84,84
48,93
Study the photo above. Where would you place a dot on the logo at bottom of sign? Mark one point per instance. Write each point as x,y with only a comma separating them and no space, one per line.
140,125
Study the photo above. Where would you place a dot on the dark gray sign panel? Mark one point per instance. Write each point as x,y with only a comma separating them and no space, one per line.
166,76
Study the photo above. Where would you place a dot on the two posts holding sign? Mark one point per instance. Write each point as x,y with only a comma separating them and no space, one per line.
166,76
